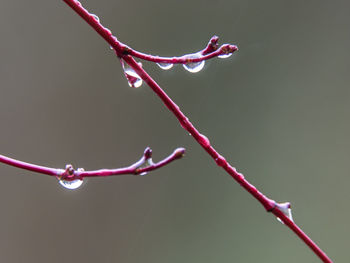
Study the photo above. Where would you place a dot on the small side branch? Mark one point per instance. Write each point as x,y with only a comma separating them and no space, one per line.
212,50
141,167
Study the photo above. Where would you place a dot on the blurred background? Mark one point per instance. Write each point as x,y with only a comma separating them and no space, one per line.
278,110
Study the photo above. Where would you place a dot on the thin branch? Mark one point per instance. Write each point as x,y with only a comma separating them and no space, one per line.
30,167
144,165
307,240
123,52
212,50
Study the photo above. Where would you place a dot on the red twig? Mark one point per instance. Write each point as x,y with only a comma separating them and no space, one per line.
124,52
141,167
212,50
307,240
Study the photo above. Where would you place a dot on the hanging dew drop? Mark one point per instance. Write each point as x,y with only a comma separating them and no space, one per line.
194,67
225,55
165,66
287,211
95,17
134,80
74,184
147,163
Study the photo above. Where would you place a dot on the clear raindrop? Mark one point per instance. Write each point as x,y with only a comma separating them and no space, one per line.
77,2
285,208
74,184
165,66
96,17
194,67
225,55
147,163
134,80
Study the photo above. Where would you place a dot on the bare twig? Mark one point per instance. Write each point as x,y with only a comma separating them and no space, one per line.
125,53
212,50
141,167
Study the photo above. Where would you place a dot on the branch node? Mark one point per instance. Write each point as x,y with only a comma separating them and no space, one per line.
285,208
221,161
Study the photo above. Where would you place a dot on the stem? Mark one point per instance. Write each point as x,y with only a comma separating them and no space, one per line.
200,138
29,166
307,240
124,53
70,173
224,49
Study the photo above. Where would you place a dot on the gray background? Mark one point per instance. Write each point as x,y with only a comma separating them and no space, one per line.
277,110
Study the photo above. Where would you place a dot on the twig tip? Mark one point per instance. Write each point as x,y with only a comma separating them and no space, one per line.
179,152
147,153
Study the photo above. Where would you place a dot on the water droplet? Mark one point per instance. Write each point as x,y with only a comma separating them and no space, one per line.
147,163
95,17
77,2
107,30
74,184
194,67
225,55
165,66
134,80
285,208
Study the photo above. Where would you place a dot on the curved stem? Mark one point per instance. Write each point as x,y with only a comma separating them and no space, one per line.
124,53
31,167
224,49
71,174
135,168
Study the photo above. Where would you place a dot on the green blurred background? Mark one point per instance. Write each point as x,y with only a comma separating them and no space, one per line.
277,110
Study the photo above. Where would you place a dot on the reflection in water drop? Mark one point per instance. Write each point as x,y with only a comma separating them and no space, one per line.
194,67
77,2
165,66
225,55
134,80
96,17
285,208
147,163
71,184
